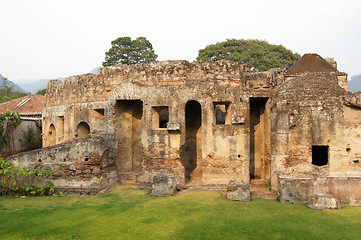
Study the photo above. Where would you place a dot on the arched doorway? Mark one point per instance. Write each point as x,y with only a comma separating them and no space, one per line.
191,151
52,135
82,130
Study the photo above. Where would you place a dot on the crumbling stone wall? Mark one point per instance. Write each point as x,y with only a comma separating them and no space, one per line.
221,149
300,189
309,111
84,166
209,123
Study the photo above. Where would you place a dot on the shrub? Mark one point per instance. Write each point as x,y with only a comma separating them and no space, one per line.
31,139
23,181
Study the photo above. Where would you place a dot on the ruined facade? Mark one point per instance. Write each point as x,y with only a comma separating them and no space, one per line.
207,124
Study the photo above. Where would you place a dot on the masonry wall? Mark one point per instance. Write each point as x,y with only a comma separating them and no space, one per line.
218,152
16,135
208,123
310,112
83,166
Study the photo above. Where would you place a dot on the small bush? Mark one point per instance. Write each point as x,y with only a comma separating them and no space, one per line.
23,181
31,139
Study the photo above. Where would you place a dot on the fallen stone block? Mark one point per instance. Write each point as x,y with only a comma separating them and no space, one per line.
324,201
164,185
294,189
238,191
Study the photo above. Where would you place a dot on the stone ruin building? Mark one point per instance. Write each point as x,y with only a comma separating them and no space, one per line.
206,124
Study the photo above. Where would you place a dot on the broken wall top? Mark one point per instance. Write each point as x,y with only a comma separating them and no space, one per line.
97,87
309,89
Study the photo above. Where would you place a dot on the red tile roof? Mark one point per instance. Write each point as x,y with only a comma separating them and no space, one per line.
30,104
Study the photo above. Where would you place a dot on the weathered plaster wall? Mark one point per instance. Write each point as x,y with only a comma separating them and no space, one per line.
209,123
82,166
301,189
309,111
222,149
16,135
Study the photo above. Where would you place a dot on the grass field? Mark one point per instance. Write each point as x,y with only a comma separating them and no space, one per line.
132,214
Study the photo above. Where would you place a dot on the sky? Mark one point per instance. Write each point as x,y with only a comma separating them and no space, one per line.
47,39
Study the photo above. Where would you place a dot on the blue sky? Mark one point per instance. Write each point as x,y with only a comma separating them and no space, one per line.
51,38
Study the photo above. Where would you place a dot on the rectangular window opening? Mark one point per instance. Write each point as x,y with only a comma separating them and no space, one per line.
222,113
320,155
160,116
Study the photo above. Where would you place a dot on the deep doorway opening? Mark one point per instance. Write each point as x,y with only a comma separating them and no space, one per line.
320,155
259,165
128,115
191,150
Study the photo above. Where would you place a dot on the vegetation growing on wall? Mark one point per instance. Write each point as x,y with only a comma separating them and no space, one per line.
259,55
8,120
31,139
23,181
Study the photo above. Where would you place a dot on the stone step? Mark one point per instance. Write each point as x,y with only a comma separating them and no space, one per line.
258,183
259,189
128,177
265,194
209,187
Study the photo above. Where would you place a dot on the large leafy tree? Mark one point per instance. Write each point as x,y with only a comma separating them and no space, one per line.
126,51
259,55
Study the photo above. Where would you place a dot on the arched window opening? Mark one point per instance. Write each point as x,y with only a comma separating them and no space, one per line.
52,135
83,130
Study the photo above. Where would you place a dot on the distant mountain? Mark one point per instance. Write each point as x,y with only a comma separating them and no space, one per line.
33,85
16,87
354,84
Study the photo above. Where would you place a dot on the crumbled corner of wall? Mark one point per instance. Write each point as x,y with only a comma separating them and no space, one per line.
353,100
266,79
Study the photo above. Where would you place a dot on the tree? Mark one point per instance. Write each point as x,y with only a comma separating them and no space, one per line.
259,55
7,92
41,91
8,120
126,51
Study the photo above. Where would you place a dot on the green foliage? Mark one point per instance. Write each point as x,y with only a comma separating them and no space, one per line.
259,55
31,139
8,120
41,91
132,214
7,92
126,51
21,181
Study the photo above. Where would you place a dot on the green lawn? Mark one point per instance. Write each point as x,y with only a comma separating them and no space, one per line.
132,214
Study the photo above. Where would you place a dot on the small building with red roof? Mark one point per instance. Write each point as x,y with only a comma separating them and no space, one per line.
29,108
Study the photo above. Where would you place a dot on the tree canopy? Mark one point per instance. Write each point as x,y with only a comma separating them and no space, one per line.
41,91
126,51
259,55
